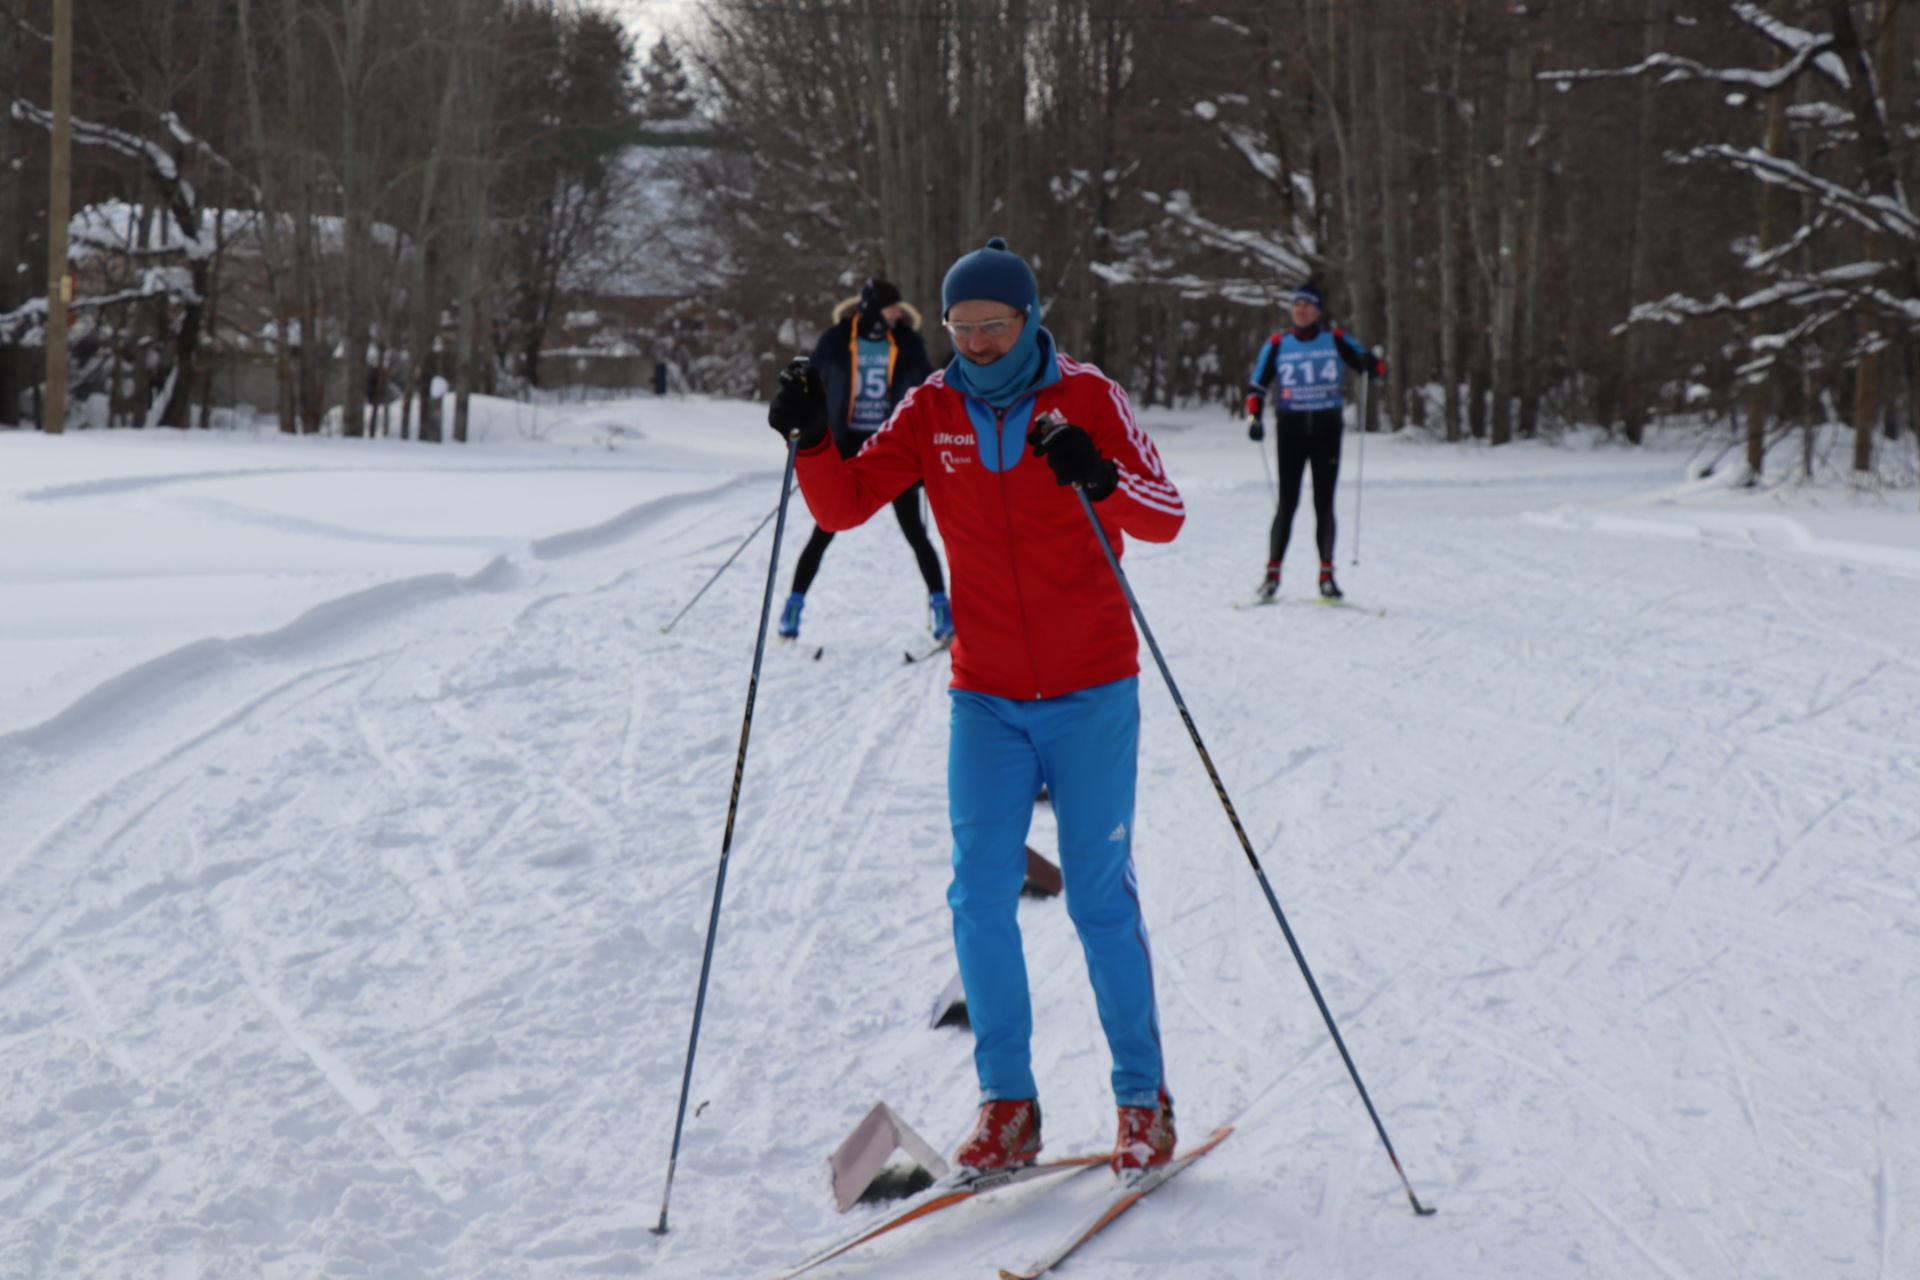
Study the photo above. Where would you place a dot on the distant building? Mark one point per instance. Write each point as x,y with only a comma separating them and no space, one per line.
642,300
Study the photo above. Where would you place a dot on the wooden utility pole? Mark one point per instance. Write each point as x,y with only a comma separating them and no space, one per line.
59,210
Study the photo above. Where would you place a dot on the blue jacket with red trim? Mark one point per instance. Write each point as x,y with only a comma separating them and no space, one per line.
1037,612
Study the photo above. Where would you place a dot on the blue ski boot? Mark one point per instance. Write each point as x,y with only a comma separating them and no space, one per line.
942,615
790,616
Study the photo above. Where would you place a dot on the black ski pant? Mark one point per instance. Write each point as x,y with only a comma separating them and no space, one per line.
906,508
1302,439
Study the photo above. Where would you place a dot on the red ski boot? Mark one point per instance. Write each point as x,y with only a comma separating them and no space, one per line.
1146,1137
1005,1136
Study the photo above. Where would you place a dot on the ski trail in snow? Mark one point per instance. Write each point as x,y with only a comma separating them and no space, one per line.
638,703
1661,1263
143,688
98,805
1600,846
1749,1106
401,771
339,1076
97,1019
233,928
1885,1219
1824,625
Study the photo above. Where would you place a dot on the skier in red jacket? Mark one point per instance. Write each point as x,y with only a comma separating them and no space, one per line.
1045,668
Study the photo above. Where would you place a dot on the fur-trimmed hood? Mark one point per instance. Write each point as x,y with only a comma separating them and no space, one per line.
847,306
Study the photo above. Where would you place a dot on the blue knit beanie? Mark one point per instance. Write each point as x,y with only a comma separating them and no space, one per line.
1310,292
994,274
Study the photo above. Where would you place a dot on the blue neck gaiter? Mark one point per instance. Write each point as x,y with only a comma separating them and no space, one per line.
1012,375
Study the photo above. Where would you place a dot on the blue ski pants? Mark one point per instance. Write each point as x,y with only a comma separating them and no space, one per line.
1084,746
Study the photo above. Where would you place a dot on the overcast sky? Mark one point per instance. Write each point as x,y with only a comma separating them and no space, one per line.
649,17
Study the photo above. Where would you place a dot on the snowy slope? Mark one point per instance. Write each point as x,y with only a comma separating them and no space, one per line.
361,828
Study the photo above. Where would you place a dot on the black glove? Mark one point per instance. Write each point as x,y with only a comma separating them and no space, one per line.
1256,431
799,408
1255,403
1075,460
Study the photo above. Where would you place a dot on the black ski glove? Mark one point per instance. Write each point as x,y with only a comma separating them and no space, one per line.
1075,459
1255,403
799,408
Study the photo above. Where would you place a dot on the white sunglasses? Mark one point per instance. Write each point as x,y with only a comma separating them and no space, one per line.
989,329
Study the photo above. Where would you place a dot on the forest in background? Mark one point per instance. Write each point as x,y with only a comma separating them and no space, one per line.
1607,211
372,194
1488,192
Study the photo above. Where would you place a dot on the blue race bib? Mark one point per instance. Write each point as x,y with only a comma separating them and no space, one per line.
870,385
1308,375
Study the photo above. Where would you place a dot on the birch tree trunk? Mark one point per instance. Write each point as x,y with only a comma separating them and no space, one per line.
1647,161
1767,236
1356,219
1447,191
480,70
274,251
1529,356
1481,224
1395,205
1506,269
352,67
15,286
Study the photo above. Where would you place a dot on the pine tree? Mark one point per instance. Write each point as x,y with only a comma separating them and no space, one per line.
666,92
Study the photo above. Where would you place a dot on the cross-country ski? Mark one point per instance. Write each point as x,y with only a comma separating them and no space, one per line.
933,650
808,652
1128,1192
1322,602
945,1194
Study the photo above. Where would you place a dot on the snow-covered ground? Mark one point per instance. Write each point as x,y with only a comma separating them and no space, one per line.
361,828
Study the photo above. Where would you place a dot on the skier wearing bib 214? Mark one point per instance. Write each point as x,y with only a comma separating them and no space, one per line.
871,357
1045,669
1303,366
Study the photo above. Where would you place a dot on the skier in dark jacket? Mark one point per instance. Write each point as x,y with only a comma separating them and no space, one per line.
1304,363
871,357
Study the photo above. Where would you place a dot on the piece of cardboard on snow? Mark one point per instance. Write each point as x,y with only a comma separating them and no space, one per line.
950,1006
1043,878
867,1151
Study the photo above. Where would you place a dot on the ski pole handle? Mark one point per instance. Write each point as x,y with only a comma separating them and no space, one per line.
1045,428
1048,424
795,403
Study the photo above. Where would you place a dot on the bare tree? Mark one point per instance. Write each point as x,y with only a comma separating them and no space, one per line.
1856,250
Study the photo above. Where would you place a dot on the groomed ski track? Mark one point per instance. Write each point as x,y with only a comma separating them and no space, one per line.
362,943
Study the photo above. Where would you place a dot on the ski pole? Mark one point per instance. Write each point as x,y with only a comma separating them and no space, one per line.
726,840
1266,466
722,569
1220,789
1360,477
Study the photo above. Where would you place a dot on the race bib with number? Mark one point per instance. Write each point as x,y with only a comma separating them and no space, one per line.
1308,374
870,385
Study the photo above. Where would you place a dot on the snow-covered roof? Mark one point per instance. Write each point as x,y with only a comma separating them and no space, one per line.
121,226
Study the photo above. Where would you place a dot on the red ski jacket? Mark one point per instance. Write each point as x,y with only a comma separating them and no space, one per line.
1037,612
